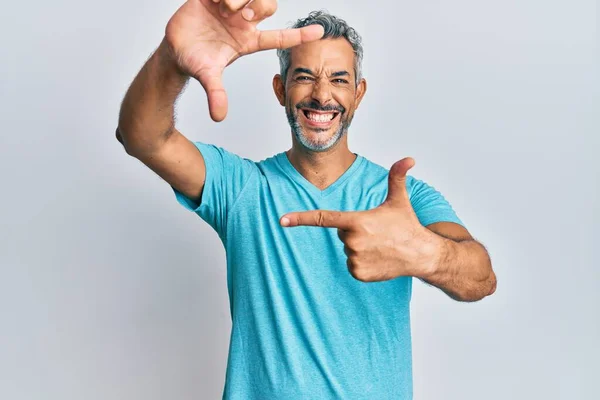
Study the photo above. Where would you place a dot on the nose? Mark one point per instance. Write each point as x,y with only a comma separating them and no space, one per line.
322,92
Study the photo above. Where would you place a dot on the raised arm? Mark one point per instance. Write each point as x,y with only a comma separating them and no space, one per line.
146,125
201,39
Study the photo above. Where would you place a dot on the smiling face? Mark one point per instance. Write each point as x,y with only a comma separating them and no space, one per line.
320,94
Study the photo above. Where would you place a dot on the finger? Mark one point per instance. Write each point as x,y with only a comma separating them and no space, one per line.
286,38
347,251
215,92
259,10
350,264
397,193
228,7
322,218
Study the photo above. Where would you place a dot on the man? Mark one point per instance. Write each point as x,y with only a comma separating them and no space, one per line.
321,243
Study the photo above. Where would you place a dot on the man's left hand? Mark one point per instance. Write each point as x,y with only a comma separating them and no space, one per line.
382,243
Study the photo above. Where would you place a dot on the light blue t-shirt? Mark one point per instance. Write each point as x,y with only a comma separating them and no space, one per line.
302,326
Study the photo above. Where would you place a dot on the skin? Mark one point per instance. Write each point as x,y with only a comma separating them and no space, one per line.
389,241
205,36
321,76
201,39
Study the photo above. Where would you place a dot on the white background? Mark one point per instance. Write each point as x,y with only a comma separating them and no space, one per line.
111,290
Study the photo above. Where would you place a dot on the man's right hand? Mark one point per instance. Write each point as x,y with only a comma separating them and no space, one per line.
205,36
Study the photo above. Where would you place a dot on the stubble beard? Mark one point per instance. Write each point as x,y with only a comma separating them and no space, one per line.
318,144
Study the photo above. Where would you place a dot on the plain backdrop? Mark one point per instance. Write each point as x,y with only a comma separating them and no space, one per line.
109,289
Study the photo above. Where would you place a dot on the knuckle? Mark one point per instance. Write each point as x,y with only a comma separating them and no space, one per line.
352,252
355,245
349,244
361,275
355,269
320,218
350,264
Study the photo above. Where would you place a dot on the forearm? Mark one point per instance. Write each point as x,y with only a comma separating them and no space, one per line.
462,269
147,112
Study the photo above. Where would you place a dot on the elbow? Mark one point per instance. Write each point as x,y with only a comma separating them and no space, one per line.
469,297
484,288
493,282
140,145
118,136
120,139
478,292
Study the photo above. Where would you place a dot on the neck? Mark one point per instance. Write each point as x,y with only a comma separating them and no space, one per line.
321,168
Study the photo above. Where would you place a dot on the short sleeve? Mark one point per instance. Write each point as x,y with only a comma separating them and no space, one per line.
429,204
226,176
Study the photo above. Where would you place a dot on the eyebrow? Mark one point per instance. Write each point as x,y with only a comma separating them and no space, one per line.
341,73
303,71
309,72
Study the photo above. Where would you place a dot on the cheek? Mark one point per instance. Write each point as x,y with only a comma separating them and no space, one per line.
297,93
291,100
349,112
347,100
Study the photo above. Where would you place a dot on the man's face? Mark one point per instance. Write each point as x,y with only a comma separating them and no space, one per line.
320,95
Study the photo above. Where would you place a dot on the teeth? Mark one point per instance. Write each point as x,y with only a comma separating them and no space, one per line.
319,117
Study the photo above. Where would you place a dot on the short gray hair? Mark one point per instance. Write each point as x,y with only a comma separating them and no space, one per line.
334,28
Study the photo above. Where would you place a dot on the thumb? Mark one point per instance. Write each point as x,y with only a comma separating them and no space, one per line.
212,83
397,193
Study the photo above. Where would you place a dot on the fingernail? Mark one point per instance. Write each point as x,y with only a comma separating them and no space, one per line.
285,221
248,14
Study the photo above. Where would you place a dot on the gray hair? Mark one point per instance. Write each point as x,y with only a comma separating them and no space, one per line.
334,28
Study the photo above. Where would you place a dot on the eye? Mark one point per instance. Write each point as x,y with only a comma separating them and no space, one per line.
339,80
303,78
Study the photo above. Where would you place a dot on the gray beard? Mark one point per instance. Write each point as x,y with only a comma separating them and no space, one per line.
316,145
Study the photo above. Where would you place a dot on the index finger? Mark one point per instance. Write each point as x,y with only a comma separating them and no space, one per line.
326,219
286,38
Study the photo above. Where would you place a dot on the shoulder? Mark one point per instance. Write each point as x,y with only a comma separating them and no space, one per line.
373,170
271,165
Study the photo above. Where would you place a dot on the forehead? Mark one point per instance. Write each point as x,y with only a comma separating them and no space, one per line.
324,54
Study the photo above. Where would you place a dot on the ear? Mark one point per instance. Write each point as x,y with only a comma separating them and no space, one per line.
279,89
361,89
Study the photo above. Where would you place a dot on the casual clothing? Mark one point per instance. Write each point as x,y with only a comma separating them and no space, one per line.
302,326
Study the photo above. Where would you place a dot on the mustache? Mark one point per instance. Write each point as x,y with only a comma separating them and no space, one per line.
313,105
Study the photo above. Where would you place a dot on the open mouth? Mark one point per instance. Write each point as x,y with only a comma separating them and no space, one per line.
320,117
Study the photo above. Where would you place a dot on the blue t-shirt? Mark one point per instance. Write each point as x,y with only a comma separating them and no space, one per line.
302,326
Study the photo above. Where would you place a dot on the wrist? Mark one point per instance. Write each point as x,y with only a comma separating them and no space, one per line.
167,59
436,251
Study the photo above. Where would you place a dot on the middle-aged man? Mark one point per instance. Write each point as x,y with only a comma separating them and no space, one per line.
321,243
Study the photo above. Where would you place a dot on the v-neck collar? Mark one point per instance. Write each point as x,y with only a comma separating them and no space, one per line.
293,173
